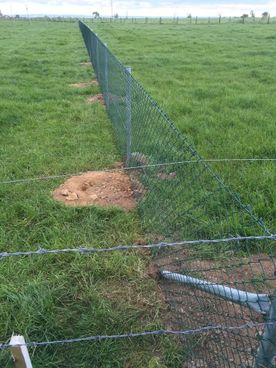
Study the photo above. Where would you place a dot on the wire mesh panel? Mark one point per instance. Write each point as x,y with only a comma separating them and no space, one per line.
226,285
180,197
180,200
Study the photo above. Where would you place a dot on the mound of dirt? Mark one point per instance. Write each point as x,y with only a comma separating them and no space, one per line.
85,63
84,84
95,98
99,188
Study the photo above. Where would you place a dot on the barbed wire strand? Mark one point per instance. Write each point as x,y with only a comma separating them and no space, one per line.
42,251
98,338
49,177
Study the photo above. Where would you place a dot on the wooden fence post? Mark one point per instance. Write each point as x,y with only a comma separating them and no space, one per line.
20,352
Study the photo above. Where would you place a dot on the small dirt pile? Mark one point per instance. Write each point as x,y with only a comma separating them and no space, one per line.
99,188
84,84
85,63
95,99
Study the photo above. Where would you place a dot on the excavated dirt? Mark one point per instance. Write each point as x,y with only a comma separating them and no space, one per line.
85,63
99,188
84,84
95,99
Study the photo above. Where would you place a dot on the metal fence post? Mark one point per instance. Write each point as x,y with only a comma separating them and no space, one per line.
20,352
97,58
266,356
260,303
106,95
128,114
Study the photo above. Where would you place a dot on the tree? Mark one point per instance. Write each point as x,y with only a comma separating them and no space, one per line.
96,15
252,14
1,15
266,16
243,17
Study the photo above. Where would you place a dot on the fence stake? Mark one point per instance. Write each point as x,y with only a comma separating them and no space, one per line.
20,352
266,356
97,59
128,114
106,95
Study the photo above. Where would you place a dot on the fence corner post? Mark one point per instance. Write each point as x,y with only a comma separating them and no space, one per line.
20,352
128,114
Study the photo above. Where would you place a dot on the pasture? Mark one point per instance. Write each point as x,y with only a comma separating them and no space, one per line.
215,82
47,128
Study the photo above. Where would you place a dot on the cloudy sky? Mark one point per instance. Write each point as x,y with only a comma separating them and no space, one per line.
139,7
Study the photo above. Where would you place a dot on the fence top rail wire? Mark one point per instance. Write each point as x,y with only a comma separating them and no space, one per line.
98,338
49,177
80,250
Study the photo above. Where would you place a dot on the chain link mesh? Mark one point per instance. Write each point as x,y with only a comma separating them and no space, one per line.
190,201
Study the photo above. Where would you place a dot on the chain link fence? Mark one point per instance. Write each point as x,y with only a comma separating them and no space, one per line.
180,197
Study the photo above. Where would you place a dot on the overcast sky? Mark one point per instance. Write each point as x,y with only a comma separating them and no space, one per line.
140,7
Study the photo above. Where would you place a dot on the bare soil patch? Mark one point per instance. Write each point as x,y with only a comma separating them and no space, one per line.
85,63
84,84
99,188
95,99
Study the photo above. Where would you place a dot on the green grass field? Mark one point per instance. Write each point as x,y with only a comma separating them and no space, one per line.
48,128
215,82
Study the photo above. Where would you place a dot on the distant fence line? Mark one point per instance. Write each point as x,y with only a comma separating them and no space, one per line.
193,20
187,20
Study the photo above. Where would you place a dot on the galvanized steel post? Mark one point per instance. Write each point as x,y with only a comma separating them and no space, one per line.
128,114
260,303
97,58
106,92
266,356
